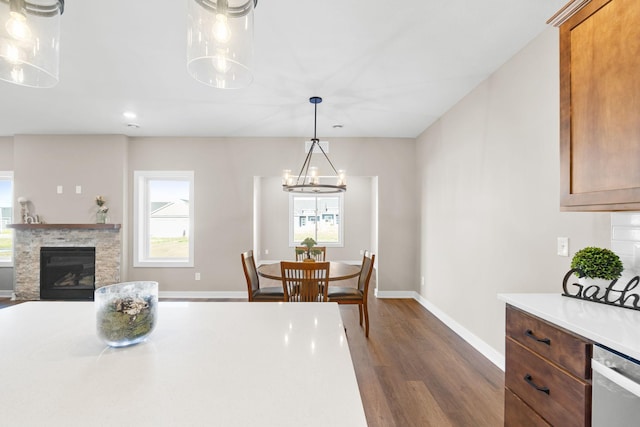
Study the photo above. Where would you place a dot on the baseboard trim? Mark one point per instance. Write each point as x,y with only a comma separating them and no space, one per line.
486,350
203,295
6,293
395,294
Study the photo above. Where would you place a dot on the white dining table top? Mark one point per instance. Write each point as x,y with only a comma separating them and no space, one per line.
206,363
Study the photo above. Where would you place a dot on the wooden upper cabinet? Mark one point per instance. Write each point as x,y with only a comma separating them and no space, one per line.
600,107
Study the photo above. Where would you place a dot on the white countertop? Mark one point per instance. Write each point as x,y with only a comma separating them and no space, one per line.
615,327
206,363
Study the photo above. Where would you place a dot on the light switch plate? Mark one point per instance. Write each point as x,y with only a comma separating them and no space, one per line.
59,189
78,189
563,246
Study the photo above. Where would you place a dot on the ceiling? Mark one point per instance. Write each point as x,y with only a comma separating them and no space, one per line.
383,68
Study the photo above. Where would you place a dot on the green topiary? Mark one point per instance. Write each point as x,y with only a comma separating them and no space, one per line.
597,263
308,242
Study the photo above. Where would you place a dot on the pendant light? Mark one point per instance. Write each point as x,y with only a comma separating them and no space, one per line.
30,42
220,42
309,180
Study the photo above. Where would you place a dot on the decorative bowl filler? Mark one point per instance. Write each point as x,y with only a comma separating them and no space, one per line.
126,313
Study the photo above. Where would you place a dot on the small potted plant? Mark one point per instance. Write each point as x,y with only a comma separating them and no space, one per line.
101,214
597,263
309,243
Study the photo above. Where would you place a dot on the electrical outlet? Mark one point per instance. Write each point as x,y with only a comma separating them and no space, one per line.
266,251
563,246
197,276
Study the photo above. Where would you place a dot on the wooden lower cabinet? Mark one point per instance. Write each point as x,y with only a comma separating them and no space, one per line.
547,375
518,413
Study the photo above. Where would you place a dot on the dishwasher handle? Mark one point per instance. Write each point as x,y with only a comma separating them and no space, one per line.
616,377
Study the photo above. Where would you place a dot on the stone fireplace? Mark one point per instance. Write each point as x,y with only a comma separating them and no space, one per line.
30,239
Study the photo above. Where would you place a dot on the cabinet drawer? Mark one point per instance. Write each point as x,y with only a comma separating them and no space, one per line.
519,414
559,346
564,399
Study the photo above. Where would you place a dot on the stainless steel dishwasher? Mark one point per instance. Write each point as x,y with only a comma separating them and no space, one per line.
616,389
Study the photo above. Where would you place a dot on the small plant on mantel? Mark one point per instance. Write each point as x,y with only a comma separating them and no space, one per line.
101,215
597,263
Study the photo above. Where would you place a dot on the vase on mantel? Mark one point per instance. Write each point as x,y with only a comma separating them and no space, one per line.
101,217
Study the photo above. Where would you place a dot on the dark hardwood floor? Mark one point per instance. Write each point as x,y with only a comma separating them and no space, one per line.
414,371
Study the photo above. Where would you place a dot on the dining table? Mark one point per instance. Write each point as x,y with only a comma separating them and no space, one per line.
205,364
337,271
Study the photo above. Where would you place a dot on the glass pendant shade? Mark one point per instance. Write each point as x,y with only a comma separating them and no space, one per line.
30,42
220,42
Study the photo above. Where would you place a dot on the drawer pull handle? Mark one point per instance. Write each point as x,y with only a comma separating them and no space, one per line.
529,333
529,381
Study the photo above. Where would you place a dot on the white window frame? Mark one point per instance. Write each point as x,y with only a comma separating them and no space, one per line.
8,262
292,196
141,215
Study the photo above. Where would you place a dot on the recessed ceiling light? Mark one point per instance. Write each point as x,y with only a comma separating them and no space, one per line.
129,115
133,125
338,126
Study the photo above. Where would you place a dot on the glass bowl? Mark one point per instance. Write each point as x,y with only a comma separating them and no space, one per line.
126,313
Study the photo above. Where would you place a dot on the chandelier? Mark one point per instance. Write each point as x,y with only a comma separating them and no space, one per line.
30,42
220,42
308,180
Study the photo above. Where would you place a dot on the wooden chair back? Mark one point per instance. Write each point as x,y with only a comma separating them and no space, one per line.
250,273
305,281
365,273
359,295
318,256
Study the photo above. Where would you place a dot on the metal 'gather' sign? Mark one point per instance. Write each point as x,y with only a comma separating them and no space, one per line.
618,296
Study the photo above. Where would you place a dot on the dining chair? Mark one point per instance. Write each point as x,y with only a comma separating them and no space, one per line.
305,281
319,256
254,291
351,295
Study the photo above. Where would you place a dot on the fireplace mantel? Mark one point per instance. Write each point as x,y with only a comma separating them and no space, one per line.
64,226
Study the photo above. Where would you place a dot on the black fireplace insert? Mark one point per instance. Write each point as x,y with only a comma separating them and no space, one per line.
67,273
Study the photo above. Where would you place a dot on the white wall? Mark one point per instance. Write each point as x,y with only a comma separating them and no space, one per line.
358,227
225,171
489,195
96,163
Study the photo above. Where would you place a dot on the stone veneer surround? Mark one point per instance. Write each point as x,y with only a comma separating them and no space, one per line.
29,238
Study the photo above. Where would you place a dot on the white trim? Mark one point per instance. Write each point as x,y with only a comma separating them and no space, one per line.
485,349
8,175
204,294
6,293
567,12
340,196
395,294
141,216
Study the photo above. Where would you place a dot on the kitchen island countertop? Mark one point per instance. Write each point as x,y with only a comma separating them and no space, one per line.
614,327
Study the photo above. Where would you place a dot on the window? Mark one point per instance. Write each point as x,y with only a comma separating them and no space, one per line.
314,216
163,219
6,218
